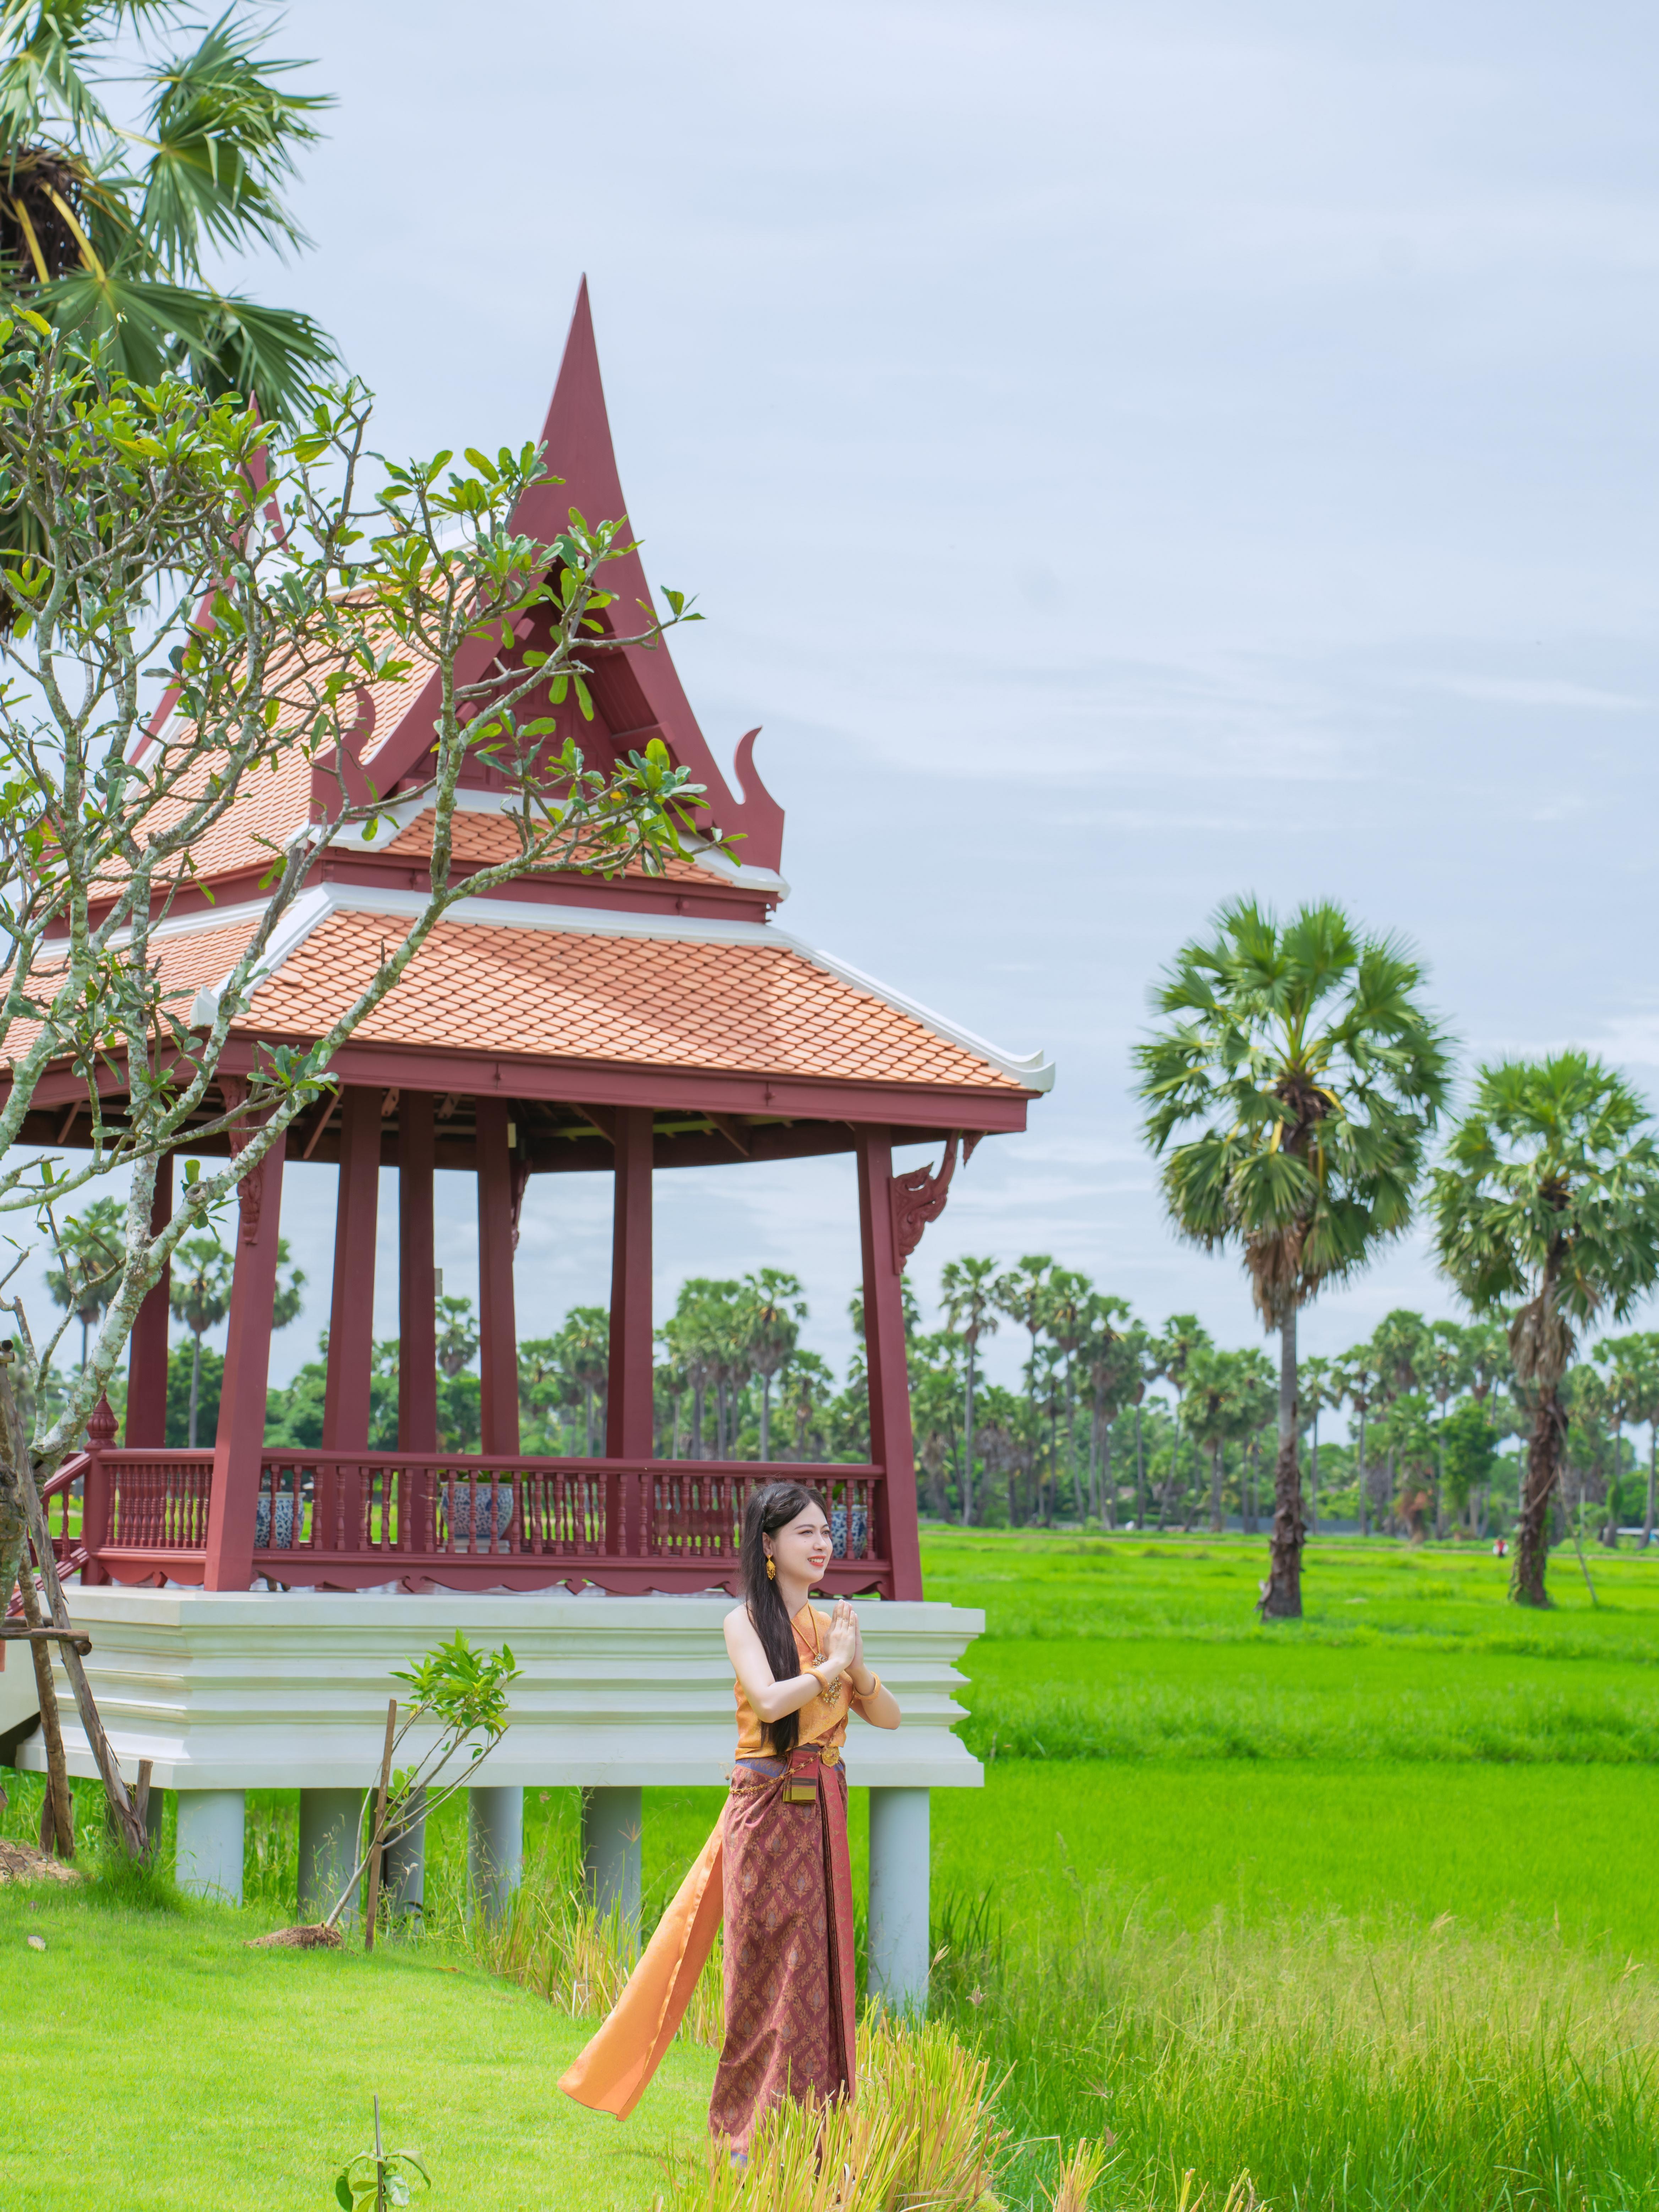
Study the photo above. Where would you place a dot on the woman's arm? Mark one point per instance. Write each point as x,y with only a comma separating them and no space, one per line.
771,1698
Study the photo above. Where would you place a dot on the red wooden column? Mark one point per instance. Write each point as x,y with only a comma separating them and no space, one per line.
417,1301
346,1404
241,1431
891,1444
498,1338
628,1427
147,1359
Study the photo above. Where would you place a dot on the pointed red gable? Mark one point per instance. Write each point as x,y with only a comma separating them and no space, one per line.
577,440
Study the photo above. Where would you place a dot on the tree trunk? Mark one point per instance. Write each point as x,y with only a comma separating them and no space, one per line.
1653,1472
195,1383
696,1420
1543,1473
766,1417
1215,1487
1107,1493
1140,1478
1281,1594
1365,1493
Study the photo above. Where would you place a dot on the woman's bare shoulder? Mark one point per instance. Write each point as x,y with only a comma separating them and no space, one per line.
737,1619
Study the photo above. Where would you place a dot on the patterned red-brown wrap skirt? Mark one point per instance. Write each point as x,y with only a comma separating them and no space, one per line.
790,2008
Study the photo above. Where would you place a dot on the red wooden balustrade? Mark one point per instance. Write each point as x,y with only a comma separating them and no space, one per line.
357,1520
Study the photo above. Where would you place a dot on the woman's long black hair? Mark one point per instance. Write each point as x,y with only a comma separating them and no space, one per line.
769,1509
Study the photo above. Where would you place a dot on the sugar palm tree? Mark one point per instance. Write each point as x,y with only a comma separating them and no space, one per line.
1316,1389
1022,1296
1355,1378
1291,1099
1548,1195
106,230
773,1308
1112,1358
199,1296
1182,1338
968,1289
91,1247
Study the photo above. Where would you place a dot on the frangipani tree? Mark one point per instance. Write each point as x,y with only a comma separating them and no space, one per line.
1291,1097
1547,1211
278,586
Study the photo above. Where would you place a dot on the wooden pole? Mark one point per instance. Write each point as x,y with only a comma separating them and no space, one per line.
57,1808
377,1839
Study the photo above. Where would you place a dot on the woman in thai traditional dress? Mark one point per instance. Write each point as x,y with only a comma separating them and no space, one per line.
775,1867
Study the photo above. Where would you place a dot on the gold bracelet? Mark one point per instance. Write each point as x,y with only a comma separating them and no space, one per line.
864,1696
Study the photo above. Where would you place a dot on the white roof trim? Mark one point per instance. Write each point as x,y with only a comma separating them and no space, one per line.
1033,1071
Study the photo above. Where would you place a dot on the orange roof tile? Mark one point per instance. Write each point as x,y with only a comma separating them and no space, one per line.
487,838
192,961
747,1008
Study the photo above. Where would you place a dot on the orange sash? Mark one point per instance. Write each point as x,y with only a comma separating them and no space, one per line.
611,2074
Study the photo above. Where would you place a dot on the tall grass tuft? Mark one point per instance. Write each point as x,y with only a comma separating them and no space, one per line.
921,2137
1346,2068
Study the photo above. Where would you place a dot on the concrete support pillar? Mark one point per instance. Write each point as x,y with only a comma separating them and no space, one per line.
208,1855
611,1828
899,1864
495,1847
403,1877
328,1850
147,1353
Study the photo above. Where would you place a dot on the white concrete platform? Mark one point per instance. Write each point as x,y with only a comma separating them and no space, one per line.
232,1690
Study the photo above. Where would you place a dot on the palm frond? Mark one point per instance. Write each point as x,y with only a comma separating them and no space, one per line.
222,133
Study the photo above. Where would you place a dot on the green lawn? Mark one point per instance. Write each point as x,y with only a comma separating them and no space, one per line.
161,2064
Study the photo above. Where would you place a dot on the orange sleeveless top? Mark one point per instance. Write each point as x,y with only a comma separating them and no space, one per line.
818,1722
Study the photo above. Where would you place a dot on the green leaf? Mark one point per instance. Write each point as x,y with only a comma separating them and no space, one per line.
343,2193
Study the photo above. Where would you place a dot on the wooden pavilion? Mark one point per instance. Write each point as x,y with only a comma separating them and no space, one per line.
572,1024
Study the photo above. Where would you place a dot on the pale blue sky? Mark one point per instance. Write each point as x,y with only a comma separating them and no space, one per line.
1128,454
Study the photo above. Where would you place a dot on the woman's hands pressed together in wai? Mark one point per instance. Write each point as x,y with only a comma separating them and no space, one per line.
798,1554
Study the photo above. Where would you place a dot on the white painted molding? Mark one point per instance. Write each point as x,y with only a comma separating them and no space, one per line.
232,1690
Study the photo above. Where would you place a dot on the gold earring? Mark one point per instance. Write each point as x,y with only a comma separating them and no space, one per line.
771,1568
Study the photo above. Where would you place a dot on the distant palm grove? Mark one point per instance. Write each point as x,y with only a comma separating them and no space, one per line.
1114,1424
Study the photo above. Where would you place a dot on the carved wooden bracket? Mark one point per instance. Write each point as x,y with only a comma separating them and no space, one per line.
919,1197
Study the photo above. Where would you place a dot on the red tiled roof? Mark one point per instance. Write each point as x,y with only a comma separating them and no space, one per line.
733,1007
